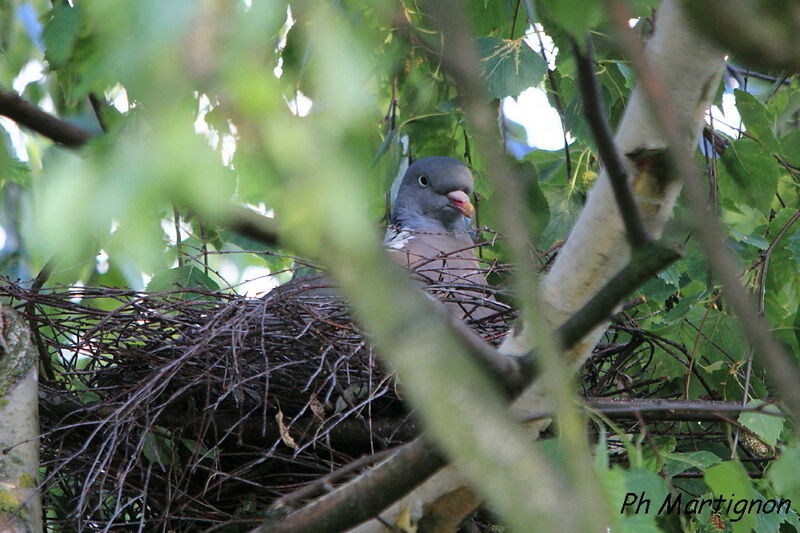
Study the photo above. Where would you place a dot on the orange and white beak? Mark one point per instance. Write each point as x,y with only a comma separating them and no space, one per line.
460,201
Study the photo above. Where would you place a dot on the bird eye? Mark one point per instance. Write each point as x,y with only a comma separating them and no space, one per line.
423,180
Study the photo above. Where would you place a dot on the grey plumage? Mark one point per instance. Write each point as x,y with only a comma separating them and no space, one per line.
429,233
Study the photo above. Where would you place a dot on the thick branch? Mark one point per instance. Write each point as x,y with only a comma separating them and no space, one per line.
352,503
782,371
21,508
250,224
645,263
601,132
28,115
759,33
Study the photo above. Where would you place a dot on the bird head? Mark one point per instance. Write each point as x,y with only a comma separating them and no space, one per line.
434,195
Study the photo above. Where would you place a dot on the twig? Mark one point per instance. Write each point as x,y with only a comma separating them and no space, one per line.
753,474
551,80
765,257
30,312
325,482
514,20
176,220
33,118
656,409
97,106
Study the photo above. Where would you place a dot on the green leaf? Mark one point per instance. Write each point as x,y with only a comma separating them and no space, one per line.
767,427
793,245
649,489
730,480
11,168
784,474
157,449
536,201
750,174
771,522
195,446
509,67
60,33
576,17
548,164
493,18
796,325
671,275
753,240
643,8
641,480
184,277
790,147
757,120
679,462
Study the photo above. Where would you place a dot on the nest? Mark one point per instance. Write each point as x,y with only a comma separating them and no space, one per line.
192,410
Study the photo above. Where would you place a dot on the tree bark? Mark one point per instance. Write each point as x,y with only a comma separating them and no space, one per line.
20,503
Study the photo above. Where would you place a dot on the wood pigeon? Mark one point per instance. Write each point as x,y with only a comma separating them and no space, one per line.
428,233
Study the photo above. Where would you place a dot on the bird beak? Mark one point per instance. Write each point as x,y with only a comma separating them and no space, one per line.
460,201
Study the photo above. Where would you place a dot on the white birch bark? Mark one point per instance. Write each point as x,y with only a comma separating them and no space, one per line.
20,504
597,249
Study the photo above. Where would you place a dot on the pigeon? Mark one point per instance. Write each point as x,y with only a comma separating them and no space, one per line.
429,233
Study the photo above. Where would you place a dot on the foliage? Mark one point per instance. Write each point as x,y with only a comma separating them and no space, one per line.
210,87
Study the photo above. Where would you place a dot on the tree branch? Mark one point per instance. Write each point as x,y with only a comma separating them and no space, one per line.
250,224
761,34
645,263
658,410
32,117
30,311
596,117
19,426
782,371
364,498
